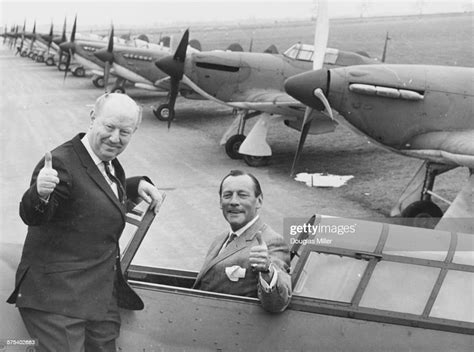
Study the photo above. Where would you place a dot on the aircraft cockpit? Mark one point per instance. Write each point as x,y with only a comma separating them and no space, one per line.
396,286
304,52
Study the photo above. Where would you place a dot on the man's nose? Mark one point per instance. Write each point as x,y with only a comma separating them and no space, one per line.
115,136
234,199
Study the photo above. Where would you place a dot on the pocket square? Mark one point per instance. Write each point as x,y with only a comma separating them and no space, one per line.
235,272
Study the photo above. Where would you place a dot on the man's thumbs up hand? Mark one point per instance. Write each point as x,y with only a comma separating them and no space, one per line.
258,257
47,178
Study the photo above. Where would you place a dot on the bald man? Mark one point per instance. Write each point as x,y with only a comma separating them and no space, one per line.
69,284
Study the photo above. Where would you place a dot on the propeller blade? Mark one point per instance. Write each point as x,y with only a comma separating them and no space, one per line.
173,95
304,133
106,55
68,62
110,47
321,35
50,39
73,33
174,67
63,37
320,44
106,74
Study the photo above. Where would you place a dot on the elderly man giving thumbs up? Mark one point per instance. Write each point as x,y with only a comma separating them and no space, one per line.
69,284
250,259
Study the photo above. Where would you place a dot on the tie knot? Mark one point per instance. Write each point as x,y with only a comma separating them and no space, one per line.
232,237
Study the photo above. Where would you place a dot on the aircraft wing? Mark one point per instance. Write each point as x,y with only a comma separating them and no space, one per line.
165,84
270,101
446,147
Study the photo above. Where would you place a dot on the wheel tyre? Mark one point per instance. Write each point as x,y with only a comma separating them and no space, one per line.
422,213
33,56
79,72
23,54
232,146
256,161
98,82
164,113
62,66
50,61
118,90
40,58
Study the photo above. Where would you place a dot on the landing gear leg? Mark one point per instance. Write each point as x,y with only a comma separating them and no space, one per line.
232,144
119,86
424,212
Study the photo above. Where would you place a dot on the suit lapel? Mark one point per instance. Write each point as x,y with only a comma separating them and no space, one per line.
238,244
95,174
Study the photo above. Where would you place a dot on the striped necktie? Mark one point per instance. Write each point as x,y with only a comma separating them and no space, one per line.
115,180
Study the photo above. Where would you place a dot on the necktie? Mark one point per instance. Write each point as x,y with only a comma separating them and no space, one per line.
232,237
115,180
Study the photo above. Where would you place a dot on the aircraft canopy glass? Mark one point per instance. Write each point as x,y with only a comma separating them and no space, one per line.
390,272
304,52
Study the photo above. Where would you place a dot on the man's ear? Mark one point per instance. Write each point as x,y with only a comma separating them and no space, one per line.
259,201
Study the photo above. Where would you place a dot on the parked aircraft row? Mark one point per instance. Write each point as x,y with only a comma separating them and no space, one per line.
417,110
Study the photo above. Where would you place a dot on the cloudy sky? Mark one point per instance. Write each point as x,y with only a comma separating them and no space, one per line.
166,12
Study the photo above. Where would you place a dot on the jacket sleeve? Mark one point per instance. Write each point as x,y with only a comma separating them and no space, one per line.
33,210
277,299
132,187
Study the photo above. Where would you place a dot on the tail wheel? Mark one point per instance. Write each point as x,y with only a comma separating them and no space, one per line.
422,213
232,146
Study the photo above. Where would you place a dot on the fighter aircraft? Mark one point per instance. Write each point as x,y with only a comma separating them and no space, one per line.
252,84
134,64
88,54
419,111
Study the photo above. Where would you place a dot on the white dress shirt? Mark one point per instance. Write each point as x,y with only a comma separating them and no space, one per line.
100,164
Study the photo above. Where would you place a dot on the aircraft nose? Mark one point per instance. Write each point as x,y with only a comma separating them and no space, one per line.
104,55
170,66
302,86
66,46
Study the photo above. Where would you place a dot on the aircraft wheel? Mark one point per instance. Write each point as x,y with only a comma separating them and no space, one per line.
23,54
232,146
79,72
164,113
99,82
256,161
62,66
50,61
422,213
33,56
118,90
40,58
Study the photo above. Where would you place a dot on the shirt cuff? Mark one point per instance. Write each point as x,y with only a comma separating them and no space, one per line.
269,287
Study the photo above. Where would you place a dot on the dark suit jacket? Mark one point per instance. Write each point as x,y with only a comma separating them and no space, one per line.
213,277
68,265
